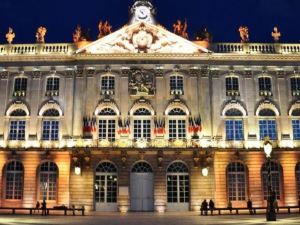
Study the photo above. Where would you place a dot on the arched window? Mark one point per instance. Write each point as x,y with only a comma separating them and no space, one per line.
232,86
50,125
20,87
107,125
48,175
177,124
265,86
296,123
107,84
17,125
298,179
178,183
106,183
141,167
276,178
142,124
267,126
236,181
234,126
176,85
52,86
14,175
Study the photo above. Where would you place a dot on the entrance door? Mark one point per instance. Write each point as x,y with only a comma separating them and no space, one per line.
141,187
106,187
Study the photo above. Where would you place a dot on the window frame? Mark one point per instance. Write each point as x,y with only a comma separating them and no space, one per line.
237,190
110,87
232,85
176,84
264,88
15,181
21,90
109,116
143,122
264,177
47,174
52,89
180,122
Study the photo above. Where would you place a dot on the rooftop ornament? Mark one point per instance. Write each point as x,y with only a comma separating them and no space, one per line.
104,29
40,35
244,34
180,29
276,34
10,36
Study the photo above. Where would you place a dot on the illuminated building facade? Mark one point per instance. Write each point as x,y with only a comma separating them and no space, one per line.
145,120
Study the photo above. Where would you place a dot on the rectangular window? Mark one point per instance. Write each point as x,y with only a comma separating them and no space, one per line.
268,128
52,88
142,129
295,86
176,85
50,130
20,87
234,130
108,85
107,130
177,129
296,129
232,86
265,86
17,130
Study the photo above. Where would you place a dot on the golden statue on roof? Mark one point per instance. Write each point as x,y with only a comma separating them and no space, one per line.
180,29
276,34
104,29
244,34
10,35
40,35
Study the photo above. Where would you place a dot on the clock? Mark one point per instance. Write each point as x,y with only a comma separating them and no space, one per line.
143,13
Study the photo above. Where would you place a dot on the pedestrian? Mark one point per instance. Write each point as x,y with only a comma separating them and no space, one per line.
44,208
211,206
37,207
249,206
229,206
205,207
276,207
201,208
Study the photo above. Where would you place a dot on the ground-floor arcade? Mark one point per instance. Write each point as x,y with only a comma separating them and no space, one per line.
148,180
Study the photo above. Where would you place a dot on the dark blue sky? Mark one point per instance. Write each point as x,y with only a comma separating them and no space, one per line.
222,17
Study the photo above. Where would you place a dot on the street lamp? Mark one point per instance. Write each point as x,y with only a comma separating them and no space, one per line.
205,171
271,213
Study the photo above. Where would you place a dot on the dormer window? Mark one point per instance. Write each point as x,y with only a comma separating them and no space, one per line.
20,87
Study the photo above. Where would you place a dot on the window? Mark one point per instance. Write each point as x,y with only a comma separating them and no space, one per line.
298,179
268,128
20,87
50,130
107,85
178,183
296,129
295,86
52,87
177,124
48,181
236,182
275,178
234,130
107,125
141,167
176,85
142,124
232,86
265,86
106,183
14,180
17,130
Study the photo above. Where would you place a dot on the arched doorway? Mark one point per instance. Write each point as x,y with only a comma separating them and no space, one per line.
106,187
178,187
141,187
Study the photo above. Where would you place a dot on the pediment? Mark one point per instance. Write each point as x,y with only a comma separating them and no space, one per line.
142,37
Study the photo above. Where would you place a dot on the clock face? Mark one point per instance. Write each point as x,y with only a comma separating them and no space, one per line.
143,13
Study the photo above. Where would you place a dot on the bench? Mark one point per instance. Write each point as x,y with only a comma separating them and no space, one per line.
256,210
48,210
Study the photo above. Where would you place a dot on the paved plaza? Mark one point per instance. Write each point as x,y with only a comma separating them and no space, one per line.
145,219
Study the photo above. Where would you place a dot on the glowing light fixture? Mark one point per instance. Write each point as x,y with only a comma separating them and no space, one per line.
268,149
205,171
77,170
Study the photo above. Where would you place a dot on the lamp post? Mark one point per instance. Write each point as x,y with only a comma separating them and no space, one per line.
271,213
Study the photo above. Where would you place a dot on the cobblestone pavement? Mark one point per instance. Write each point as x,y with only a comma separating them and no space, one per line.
145,219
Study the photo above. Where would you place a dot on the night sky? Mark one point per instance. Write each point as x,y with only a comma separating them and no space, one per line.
222,17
